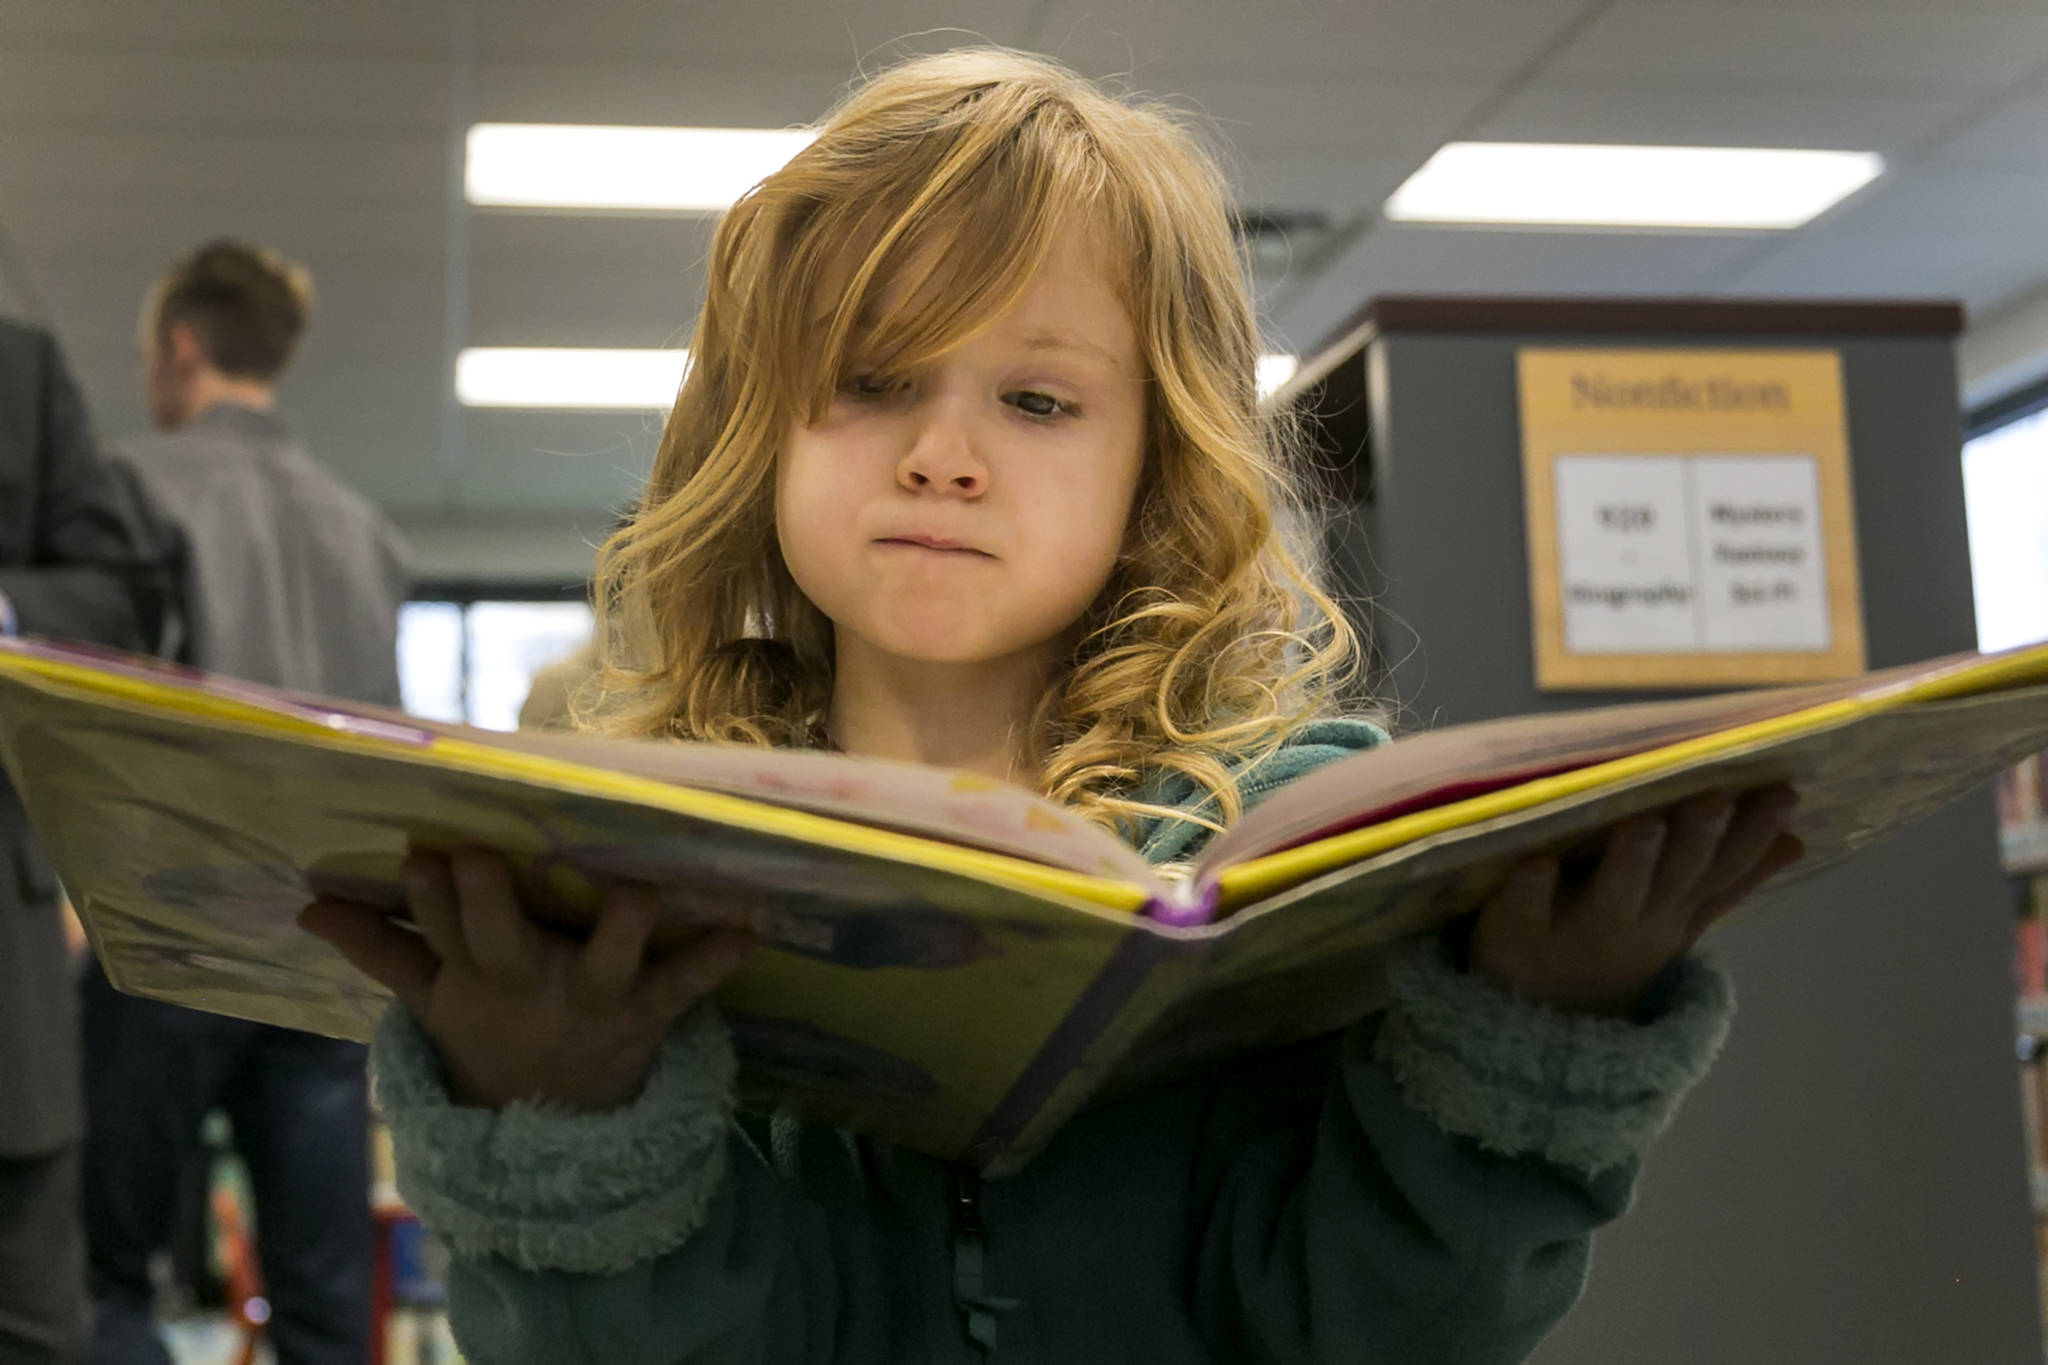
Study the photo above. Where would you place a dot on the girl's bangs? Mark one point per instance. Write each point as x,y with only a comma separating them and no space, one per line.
904,278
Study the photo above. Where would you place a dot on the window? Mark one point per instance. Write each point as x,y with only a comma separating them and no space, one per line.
2005,492
470,654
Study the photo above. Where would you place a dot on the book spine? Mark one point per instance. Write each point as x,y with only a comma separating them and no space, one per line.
1187,905
2030,939
2030,958
1067,1046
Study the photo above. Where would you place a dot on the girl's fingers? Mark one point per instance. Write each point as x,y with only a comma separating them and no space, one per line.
1621,884
690,973
1784,851
505,944
430,894
1758,823
1696,830
610,961
1521,910
401,962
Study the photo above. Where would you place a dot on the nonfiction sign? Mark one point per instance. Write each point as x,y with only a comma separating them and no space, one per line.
1689,517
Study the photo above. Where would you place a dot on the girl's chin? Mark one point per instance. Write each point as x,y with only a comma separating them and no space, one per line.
960,644
945,655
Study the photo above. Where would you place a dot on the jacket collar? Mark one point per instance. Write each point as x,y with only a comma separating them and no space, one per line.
237,420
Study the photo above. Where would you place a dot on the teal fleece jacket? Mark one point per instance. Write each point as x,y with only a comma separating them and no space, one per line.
1419,1191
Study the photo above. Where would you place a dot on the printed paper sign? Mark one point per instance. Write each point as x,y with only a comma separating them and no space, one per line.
1689,553
1763,581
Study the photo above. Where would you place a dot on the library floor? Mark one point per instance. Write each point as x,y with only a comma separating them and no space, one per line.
410,1338
207,1340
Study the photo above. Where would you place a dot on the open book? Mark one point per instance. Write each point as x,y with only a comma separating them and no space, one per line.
946,961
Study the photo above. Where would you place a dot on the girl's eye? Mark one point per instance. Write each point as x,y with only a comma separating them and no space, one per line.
1040,405
871,386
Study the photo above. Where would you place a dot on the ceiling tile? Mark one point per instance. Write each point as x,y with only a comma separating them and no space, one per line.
1155,41
776,95
524,461
142,170
1338,116
1976,263
75,234
213,92
1402,259
1856,7
1557,110
561,281
757,33
390,26
2013,137
1930,49
1339,186
1928,197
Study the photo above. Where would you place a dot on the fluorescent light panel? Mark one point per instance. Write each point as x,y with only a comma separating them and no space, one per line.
1275,370
589,166
1583,185
553,377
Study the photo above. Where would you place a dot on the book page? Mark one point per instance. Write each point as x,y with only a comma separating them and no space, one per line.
937,803
900,998
1418,772
960,807
1305,960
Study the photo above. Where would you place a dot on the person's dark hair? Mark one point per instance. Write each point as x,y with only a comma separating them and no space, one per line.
247,306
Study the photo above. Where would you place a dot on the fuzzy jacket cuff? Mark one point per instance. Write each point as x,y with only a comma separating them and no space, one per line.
1588,1093
548,1190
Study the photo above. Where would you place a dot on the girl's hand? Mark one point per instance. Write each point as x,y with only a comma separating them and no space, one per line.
1594,947
516,1011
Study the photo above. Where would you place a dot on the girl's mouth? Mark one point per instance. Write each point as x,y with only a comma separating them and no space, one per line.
935,544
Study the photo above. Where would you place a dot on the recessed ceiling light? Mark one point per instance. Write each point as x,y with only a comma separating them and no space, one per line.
1581,185
589,166
546,377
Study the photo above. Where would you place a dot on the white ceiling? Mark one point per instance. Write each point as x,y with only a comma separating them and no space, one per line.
130,130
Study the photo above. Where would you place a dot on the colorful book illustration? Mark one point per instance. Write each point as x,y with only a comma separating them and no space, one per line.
946,961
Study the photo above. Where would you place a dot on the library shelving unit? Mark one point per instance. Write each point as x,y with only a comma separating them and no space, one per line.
1848,1183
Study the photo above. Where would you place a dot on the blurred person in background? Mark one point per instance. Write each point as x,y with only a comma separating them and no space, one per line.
291,578
76,560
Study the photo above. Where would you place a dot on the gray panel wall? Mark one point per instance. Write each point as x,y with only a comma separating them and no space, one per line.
1849,1183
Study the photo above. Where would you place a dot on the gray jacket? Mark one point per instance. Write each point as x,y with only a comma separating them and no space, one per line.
76,562
291,578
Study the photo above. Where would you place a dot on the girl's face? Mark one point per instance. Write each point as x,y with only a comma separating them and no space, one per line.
972,511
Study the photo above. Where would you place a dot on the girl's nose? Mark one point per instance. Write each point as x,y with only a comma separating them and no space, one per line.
942,458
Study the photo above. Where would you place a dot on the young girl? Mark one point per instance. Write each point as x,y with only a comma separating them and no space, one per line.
968,471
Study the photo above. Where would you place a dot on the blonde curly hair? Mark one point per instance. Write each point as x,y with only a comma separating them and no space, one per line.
1210,642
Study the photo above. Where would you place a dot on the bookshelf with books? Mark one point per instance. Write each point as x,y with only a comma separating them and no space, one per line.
2023,846
2023,816
409,1319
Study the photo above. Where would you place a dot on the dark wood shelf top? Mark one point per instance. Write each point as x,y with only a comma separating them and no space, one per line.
1703,315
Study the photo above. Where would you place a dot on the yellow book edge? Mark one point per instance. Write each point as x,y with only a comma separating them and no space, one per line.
560,774
1247,882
